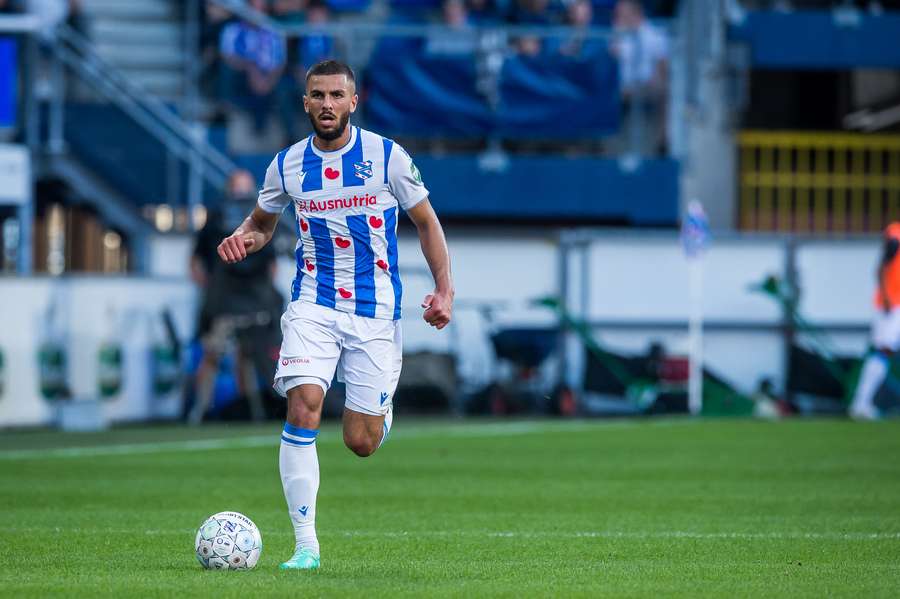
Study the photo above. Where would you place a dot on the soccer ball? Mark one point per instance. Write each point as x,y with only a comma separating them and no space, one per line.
228,541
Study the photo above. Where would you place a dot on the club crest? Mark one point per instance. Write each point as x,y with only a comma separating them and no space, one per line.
363,169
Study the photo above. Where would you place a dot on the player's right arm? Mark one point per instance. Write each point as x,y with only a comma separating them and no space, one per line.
257,229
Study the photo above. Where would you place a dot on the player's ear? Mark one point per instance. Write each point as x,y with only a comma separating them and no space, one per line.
353,103
305,104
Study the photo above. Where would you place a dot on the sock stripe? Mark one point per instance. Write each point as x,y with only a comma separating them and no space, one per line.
298,438
290,441
300,432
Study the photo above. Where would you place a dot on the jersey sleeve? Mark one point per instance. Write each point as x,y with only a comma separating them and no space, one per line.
404,179
272,197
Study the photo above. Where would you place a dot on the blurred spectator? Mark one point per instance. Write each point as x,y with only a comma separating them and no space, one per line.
642,50
643,54
254,61
531,13
459,37
314,47
213,19
307,50
237,301
483,12
580,16
288,12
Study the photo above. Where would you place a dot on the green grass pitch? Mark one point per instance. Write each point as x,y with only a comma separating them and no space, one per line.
516,509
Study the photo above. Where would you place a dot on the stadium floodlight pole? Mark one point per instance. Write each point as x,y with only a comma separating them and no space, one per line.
695,239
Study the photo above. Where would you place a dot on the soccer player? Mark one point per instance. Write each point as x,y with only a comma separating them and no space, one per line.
346,185
885,328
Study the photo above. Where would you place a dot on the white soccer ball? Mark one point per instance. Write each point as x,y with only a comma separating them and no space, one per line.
228,541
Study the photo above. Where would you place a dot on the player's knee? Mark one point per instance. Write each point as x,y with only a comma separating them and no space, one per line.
303,411
361,445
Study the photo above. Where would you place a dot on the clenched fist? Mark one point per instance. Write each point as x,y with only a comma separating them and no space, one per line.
438,308
234,248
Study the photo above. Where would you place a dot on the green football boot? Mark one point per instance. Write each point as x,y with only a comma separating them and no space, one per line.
303,559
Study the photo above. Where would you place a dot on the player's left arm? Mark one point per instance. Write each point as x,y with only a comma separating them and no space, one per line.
439,304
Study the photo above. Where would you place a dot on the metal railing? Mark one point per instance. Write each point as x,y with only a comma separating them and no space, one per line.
818,182
181,139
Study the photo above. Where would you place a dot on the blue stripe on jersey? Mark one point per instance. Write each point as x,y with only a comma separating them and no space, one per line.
388,146
390,231
298,253
325,290
364,270
281,156
353,156
312,168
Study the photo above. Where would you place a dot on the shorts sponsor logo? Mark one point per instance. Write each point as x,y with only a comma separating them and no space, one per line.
286,361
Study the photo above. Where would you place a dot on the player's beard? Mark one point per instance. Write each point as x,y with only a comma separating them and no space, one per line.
334,133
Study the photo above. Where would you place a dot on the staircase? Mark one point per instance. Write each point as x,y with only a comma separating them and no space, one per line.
144,39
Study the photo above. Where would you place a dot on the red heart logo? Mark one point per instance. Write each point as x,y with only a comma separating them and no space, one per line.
344,293
382,265
332,174
375,222
310,266
303,226
341,242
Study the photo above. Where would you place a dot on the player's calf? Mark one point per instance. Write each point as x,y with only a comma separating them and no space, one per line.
362,432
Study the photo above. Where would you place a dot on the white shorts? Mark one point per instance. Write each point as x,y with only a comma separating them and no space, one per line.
366,353
886,330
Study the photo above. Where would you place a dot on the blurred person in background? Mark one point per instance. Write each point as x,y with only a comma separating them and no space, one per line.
885,328
237,300
458,39
306,51
642,50
580,17
484,12
288,12
254,61
534,13
314,47
213,19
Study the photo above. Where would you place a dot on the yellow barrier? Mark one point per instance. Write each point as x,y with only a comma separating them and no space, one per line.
818,182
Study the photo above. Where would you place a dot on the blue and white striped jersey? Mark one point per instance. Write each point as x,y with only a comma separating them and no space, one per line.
345,202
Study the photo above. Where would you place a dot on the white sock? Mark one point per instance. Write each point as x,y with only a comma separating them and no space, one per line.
299,467
873,373
386,429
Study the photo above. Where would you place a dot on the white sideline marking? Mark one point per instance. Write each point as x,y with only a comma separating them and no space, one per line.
460,430
608,534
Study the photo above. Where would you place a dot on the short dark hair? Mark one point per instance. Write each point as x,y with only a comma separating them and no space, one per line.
331,67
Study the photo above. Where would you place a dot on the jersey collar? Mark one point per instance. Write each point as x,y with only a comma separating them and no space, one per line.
354,131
